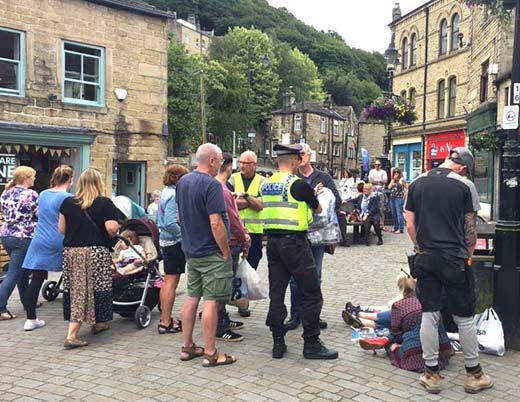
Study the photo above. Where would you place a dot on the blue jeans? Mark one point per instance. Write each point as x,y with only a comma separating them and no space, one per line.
16,248
296,293
384,319
223,318
397,212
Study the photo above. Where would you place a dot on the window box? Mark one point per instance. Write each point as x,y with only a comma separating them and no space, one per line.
83,74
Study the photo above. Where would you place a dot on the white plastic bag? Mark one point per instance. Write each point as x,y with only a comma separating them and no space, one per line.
256,290
490,333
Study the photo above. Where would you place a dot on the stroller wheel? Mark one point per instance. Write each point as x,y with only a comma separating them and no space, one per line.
143,316
50,290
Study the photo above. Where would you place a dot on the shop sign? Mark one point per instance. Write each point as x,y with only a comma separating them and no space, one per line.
7,167
440,145
510,117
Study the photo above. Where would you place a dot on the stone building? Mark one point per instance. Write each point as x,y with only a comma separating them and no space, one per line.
84,82
195,40
434,43
329,130
371,139
490,63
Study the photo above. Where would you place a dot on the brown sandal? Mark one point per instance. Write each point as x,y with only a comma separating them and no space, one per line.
213,360
192,351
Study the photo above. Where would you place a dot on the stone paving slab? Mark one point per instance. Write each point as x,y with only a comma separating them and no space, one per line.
130,364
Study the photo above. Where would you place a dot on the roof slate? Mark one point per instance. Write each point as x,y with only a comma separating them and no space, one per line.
138,6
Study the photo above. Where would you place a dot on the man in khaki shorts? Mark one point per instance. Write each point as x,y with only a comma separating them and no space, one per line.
204,227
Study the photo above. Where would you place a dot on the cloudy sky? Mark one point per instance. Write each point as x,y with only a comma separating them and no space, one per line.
363,24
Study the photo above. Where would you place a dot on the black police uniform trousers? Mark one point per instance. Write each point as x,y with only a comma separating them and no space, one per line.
290,256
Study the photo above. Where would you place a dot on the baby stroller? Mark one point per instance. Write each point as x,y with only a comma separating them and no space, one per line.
137,294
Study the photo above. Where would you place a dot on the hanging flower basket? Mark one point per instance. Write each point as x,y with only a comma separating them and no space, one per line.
391,109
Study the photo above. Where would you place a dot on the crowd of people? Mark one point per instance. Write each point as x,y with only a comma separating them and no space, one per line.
210,218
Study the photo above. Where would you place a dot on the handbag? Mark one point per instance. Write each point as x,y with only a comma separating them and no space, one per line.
330,248
490,333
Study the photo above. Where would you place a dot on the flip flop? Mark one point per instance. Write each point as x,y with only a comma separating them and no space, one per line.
9,316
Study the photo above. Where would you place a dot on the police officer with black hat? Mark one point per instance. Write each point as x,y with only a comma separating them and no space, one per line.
289,203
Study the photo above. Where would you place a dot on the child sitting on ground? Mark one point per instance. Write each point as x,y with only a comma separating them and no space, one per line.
128,259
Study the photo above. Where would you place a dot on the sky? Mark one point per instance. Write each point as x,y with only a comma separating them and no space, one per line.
362,24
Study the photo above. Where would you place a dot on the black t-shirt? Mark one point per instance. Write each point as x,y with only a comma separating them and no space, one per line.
440,198
80,231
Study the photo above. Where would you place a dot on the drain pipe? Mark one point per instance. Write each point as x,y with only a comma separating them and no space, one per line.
425,82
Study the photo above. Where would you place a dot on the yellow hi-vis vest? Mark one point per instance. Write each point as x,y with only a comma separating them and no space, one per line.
281,210
252,219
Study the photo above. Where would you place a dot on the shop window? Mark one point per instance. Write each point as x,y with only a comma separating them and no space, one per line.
83,74
443,39
452,88
483,175
416,164
455,32
336,127
12,62
484,81
441,99
323,125
413,41
297,122
405,54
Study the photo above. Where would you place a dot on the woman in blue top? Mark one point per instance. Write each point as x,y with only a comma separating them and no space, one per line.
46,249
170,242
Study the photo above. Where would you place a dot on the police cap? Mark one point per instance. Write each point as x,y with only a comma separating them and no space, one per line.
292,149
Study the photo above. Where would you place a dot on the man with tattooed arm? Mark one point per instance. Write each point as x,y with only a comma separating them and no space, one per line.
441,213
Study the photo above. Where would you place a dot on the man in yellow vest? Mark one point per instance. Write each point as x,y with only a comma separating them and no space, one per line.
246,184
288,207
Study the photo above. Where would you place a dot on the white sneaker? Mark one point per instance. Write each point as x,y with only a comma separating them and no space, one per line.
33,324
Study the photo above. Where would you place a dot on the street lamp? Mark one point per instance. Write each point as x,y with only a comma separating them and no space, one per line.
507,235
392,59
265,61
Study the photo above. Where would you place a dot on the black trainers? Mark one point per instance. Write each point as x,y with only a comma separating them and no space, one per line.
230,336
380,242
279,347
293,323
323,324
318,351
235,324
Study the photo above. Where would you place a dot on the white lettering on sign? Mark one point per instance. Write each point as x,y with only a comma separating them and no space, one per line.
7,167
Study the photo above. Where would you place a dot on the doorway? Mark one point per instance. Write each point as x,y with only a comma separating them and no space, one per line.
128,179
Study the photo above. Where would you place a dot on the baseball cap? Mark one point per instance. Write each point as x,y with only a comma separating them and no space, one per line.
462,156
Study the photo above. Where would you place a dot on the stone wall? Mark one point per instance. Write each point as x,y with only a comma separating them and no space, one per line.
136,59
371,137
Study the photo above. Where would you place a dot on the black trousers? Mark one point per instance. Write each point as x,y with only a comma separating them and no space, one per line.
32,292
290,256
366,229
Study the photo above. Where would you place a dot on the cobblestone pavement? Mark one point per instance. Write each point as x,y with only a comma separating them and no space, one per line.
128,364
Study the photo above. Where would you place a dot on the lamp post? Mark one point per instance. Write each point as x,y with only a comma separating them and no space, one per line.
392,59
265,61
507,235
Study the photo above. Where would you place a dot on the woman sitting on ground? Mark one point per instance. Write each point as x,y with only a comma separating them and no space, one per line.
404,343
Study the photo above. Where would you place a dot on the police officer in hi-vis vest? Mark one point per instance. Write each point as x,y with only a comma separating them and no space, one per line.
246,184
288,209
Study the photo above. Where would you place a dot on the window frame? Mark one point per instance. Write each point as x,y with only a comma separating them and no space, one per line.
413,52
101,73
21,65
443,37
335,127
484,82
323,125
454,45
452,97
297,118
441,97
412,94
404,63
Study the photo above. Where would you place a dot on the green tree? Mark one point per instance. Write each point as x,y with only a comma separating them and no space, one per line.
239,52
183,101
296,69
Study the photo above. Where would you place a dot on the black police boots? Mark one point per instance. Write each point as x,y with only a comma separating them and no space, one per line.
279,347
314,349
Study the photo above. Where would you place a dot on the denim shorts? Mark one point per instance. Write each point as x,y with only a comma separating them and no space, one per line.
210,277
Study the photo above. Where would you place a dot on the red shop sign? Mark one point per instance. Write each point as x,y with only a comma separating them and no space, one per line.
439,145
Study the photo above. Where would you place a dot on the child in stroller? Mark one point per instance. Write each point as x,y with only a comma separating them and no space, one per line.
130,259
